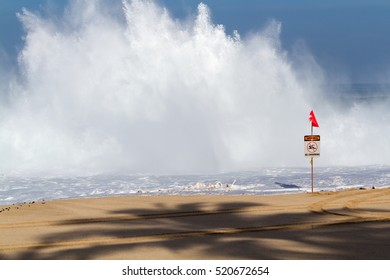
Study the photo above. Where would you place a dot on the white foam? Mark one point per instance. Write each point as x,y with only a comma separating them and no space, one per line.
104,89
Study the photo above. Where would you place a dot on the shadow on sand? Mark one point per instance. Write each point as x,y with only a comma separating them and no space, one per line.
191,227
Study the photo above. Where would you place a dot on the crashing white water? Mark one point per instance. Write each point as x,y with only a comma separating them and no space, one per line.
267,181
102,89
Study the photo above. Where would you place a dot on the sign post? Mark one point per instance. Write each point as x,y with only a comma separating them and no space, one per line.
312,150
312,146
312,175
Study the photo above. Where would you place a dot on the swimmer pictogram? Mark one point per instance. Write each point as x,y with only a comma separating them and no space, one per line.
312,147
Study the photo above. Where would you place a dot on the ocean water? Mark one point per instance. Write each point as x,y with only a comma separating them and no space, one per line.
102,93
268,181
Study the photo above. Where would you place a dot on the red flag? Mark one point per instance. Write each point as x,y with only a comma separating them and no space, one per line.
313,119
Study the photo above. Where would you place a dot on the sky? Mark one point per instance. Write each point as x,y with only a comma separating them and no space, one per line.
347,38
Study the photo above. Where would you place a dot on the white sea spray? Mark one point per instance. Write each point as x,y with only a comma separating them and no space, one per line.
132,89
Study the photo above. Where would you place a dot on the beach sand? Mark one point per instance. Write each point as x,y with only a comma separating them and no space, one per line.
351,224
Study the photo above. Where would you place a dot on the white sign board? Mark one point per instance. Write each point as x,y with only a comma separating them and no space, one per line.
312,145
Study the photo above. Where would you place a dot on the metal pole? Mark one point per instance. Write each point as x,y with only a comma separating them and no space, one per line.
312,167
312,175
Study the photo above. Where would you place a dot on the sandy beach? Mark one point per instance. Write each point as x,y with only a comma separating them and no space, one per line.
351,224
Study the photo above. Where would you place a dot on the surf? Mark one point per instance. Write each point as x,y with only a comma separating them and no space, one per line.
129,88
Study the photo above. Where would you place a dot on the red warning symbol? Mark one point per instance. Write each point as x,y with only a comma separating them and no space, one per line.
312,147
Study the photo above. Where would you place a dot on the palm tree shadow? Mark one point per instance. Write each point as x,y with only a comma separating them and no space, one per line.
238,230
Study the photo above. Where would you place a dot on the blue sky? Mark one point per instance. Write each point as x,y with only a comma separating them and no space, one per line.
350,37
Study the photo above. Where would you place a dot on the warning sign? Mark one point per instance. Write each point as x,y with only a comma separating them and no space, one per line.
312,145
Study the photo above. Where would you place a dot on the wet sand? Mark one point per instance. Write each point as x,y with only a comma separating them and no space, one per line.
352,224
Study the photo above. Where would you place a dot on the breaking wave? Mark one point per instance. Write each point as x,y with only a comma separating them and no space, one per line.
129,88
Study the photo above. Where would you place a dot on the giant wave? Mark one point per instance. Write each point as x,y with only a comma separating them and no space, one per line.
129,88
